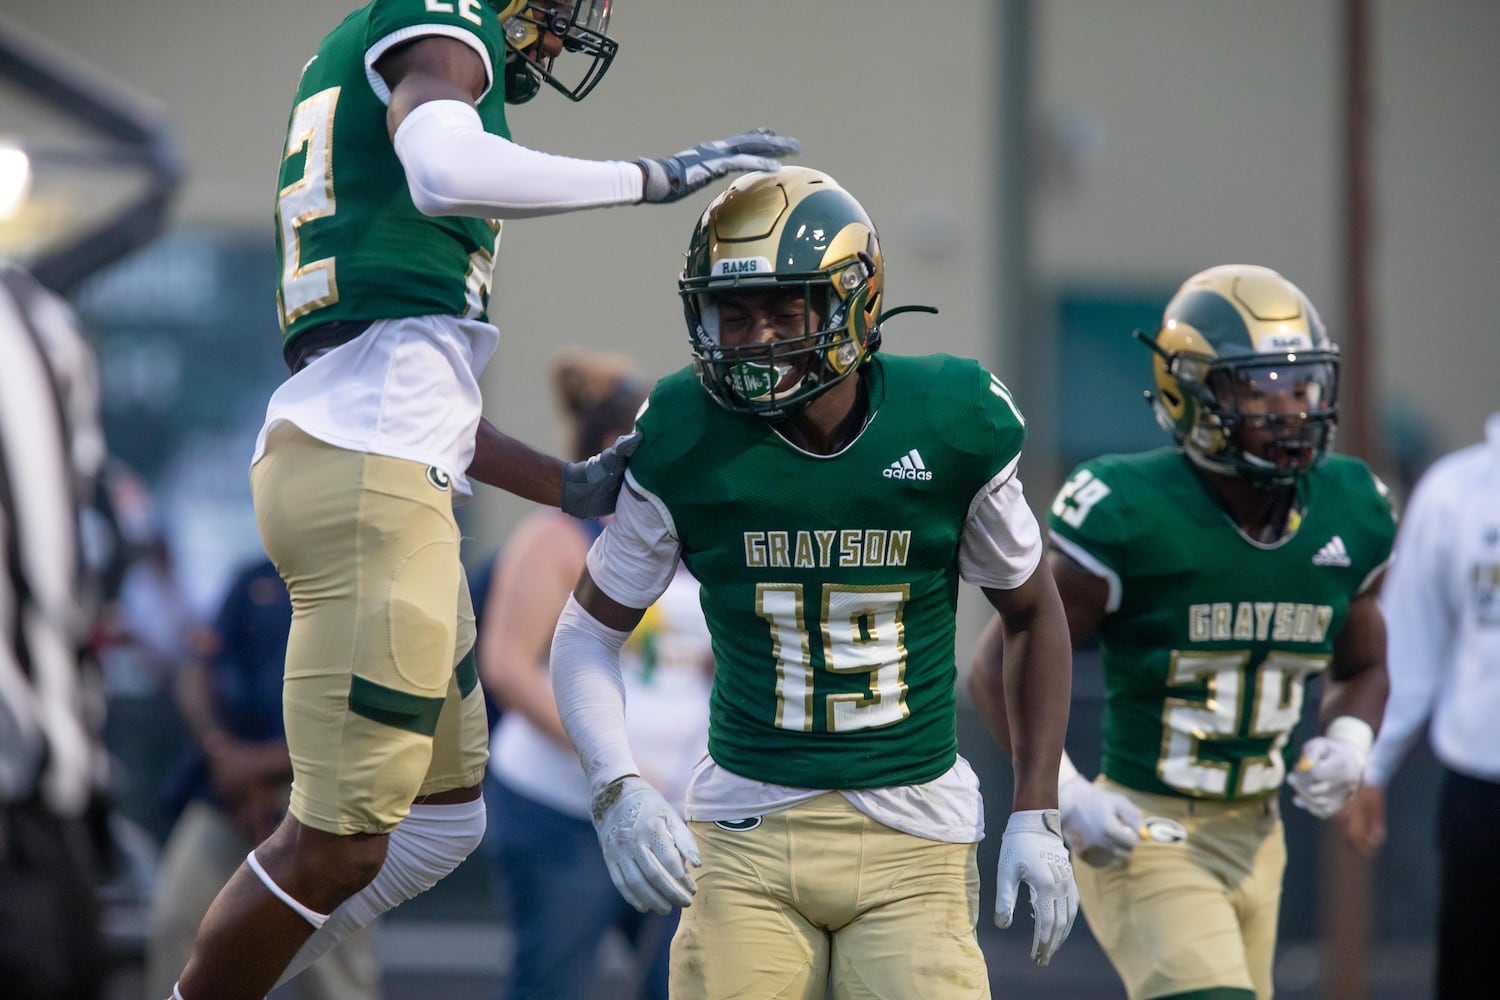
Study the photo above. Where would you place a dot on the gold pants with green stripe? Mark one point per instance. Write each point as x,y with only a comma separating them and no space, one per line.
381,697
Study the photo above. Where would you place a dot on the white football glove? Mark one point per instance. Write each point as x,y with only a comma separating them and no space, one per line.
1331,765
1032,851
671,177
1100,826
646,845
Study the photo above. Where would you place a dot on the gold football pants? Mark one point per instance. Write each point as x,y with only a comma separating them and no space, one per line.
820,894
381,697
1193,915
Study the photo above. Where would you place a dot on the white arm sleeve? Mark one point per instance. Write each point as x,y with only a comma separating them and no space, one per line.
590,694
454,167
1002,542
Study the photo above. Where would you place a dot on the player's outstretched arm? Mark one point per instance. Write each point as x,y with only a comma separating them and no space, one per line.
455,167
583,489
514,466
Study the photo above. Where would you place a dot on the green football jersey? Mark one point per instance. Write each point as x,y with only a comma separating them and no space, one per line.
1214,636
350,244
829,583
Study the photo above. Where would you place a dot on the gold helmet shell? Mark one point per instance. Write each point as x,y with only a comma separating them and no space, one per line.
1238,330
795,226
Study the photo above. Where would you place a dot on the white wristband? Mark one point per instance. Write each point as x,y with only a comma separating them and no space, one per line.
1352,730
1066,771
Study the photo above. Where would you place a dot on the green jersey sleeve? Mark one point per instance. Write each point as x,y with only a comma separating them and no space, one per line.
473,22
1094,522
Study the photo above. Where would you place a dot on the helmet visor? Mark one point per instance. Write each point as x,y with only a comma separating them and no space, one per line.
1282,414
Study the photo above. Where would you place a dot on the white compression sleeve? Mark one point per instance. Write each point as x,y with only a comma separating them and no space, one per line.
590,694
424,848
454,167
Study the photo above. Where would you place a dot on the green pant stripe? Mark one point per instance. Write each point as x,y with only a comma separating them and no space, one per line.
467,673
1213,993
390,707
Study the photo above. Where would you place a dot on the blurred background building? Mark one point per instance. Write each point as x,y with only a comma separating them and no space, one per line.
1043,171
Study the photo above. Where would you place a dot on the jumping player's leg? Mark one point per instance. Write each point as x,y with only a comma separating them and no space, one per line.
369,551
447,820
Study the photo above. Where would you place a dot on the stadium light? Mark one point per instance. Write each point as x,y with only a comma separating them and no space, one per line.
15,180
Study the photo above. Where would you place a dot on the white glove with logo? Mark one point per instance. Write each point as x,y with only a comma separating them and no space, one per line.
671,177
1032,851
646,845
1100,826
1331,765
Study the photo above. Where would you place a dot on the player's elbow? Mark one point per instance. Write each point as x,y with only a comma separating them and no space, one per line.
434,189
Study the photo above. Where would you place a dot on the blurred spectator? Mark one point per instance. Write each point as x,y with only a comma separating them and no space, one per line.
234,785
553,879
148,631
1442,606
143,641
51,710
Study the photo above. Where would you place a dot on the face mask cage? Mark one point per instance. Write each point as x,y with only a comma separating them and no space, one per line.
583,27
747,378
1268,421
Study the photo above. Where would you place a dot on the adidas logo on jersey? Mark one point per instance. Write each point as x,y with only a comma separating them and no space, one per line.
1332,554
908,466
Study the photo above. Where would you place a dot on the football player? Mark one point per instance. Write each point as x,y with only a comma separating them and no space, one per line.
829,498
1219,576
395,175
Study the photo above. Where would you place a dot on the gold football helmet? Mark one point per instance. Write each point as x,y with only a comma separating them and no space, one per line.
795,229
1246,375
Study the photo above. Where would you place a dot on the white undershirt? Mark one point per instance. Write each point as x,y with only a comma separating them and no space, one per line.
406,388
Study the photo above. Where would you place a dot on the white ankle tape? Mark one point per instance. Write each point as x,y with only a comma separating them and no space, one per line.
311,916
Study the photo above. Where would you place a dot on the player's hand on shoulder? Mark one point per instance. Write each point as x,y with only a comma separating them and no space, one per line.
1330,767
1100,826
1032,851
590,487
669,178
647,846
